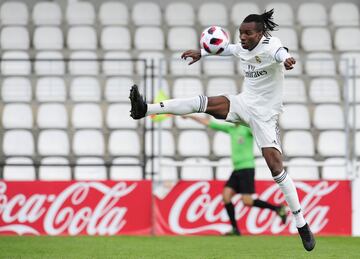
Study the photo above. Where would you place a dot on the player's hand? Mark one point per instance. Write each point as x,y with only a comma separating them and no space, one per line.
194,54
289,63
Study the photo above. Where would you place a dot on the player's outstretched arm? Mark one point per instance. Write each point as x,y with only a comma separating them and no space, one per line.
192,53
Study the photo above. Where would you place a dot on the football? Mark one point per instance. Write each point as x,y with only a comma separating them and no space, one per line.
214,40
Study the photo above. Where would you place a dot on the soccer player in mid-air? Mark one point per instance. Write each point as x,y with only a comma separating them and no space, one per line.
262,60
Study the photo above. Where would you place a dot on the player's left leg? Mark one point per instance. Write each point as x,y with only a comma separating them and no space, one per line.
227,194
217,106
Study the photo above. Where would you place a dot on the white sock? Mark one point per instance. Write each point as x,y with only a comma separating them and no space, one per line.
179,106
288,188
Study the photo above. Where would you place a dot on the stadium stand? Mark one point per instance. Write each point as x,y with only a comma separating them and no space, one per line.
66,96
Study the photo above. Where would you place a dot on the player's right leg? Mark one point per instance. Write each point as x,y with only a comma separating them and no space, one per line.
227,194
218,106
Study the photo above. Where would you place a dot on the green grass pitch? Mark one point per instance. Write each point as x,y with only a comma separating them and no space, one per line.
207,247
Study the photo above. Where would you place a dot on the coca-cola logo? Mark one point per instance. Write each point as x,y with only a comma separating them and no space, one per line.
66,212
195,210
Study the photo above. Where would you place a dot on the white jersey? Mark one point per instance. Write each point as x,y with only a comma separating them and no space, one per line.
263,77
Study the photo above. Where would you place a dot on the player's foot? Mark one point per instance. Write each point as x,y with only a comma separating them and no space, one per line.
307,237
282,213
233,232
138,105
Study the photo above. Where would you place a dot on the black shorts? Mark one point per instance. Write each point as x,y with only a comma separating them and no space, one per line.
242,181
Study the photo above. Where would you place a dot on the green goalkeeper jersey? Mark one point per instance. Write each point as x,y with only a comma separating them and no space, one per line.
241,143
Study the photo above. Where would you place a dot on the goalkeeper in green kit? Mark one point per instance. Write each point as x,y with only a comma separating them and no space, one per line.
242,178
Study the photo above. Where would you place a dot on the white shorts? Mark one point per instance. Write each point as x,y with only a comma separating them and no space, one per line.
266,133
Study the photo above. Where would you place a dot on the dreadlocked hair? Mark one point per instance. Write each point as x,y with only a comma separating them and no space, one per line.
265,21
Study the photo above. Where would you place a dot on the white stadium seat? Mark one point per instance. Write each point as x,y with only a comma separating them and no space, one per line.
262,171
86,116
17,116
90,169
221,85
88,143
298,143
50,89
12,139
83,63
357,143
295,116
303,169
180,67
284,13
351,116
52,116
149,38
182,38
161,171
130,172
46,13
14,13
346,60
193,143
16,89
53,143
187,87
117,89
353,85
48,38
342,44
115,38
316,39
288,38
54,169
312,14
334,169
124,143
242,9
14,170
113,13
180,14
161,142
80,13
196,169
14,38
344,14
85,89
328,116
118,63
150,123
294,91
332,143
224,169
320,64
160,65
49,63
221,144
146,13
116,117
15,63
324,90
213,14
81,38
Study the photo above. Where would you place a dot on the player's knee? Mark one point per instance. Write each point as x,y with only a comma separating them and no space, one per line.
247,200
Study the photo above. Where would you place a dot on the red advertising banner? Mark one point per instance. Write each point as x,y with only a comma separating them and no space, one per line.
75,208
192,208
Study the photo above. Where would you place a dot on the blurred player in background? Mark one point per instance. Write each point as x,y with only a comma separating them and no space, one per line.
259,104
242,179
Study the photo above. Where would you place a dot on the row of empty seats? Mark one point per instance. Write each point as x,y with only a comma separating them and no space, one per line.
91,116
124,63
90,168
153,38
175,14
53,142
116,89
